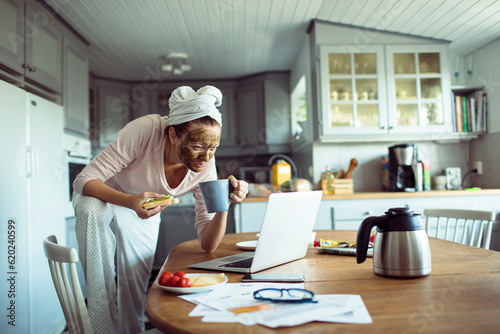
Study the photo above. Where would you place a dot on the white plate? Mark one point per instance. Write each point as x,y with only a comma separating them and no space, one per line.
198,289
247,245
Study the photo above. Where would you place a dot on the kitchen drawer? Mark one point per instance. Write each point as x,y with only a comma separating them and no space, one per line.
348,214
348,224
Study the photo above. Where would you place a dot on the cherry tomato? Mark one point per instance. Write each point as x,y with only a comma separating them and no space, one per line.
184,282
180,274
164,277
172,282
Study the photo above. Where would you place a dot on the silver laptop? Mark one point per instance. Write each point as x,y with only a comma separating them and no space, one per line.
284,236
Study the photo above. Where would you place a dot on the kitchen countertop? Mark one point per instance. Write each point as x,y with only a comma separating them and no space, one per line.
383,194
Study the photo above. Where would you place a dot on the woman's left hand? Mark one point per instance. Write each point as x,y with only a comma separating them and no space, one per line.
240,189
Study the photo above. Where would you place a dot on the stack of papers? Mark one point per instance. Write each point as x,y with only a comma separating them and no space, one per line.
234,302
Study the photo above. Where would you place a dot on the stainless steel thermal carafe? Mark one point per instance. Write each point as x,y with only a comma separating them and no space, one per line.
401,246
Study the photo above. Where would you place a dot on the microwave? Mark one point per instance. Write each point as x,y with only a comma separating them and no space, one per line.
256,174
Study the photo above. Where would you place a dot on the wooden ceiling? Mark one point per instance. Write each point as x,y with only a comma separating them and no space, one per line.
236,38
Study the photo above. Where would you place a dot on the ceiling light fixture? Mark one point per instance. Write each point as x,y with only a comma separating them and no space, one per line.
176,63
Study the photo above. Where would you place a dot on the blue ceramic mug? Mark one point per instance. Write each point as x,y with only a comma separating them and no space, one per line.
216,195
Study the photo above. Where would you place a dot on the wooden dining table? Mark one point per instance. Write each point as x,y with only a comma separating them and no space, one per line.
461,294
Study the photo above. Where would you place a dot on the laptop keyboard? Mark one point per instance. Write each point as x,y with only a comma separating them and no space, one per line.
245,263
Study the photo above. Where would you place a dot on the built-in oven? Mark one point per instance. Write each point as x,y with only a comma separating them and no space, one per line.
78,152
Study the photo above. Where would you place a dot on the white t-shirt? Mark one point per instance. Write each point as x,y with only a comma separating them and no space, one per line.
133,164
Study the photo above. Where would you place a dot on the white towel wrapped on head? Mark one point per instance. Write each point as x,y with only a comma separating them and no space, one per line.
187,105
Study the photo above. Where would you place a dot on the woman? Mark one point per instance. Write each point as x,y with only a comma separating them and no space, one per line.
153,156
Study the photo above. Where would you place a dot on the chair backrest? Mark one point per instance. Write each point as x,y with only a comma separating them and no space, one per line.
469,227
70,296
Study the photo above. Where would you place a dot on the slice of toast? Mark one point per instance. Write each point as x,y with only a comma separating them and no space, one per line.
167,200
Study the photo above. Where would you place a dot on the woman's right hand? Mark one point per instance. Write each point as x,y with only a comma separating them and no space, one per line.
136,202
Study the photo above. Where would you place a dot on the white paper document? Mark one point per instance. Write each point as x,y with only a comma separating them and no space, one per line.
234,302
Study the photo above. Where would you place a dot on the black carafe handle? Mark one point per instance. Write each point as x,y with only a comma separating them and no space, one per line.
363,237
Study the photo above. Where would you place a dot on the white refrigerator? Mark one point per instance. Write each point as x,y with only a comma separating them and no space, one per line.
33,175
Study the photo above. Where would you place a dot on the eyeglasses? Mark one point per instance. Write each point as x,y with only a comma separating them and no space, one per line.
291,295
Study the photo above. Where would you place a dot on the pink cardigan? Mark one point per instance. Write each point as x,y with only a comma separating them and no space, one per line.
133,164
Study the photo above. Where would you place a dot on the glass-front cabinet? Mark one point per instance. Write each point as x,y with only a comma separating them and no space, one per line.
381,90
418,89
353,90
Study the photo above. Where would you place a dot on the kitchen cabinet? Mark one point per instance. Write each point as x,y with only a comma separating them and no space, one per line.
31,45
248,217
12,35
76,86
113,111
177,225
353,89
228,144
418,81
378,90
264,114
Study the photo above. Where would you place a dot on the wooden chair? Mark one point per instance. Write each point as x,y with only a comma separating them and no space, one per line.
475,226
70,295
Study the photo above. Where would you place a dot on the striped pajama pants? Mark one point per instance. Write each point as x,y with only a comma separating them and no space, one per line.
116,249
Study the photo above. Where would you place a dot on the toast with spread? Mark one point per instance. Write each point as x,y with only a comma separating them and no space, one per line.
167,200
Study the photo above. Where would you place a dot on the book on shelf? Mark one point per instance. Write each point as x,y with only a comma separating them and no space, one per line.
470,110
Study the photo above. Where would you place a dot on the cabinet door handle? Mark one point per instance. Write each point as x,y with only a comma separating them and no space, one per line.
369,213
25,65
32,69
391,127
382,127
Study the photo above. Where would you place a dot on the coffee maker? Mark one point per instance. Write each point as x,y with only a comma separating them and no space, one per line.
402,167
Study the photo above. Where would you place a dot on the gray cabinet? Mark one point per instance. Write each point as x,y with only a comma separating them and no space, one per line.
76,86
12,35
43,57
228,135
251,114
31,45
177,225
113,111
264,114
